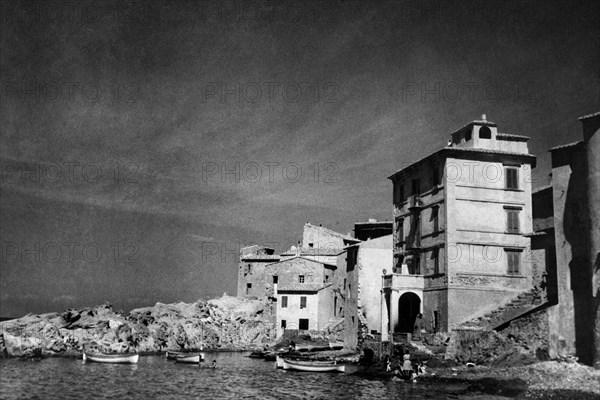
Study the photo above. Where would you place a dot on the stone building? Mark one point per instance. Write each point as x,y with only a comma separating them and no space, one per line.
252,280
567,240
462,216
306,282
364,264
304,293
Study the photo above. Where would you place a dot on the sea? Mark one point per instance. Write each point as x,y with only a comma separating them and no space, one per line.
155,377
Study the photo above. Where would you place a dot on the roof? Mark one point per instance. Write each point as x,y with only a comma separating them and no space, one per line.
334,233
566,146
597,113
322,252
249,257
481,122
516,138
299,287
296,257
473,150
374,222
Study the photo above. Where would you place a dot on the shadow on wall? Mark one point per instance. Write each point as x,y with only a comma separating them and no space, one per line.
575,224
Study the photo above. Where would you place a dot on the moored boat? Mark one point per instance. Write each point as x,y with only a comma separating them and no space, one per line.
112,358
313,366
312,347
189,359
175,355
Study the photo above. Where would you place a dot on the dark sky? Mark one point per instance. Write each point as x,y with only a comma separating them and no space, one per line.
142,143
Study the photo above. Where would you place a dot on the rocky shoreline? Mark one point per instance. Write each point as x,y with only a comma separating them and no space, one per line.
224,324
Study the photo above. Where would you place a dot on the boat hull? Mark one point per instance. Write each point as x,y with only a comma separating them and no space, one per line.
112,358
309,366
189,359
173,355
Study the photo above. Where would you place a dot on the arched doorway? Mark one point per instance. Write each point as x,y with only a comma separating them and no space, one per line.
409,305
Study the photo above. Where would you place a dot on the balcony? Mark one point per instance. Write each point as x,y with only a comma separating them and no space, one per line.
403,282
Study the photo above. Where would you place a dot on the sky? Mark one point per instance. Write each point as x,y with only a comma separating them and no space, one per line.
143,143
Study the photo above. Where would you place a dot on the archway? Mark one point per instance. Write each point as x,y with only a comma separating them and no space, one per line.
409,306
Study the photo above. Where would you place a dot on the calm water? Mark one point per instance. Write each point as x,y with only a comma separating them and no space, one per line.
237,377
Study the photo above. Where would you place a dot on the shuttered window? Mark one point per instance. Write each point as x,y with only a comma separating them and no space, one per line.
303,302
284,300
513,260
512,221
512,178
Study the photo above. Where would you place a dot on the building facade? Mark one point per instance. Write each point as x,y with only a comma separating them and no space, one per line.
462,219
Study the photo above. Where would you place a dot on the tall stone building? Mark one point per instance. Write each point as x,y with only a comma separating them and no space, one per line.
462,216
567,230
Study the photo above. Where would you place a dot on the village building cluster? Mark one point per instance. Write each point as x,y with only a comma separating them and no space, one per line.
470,247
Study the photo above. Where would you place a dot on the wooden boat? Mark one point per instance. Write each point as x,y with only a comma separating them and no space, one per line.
313,366
312,347
189,359
112,358
175,355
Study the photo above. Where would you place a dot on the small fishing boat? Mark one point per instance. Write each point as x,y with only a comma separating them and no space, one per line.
189,359
313,366
112,358
312,347
175,355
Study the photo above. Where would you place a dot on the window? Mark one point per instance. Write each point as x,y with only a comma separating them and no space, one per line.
512,178
485,133
435,177
248,287
275,279
326,278
512,221
349,290
335,306
284,300
303,324
283,323
344,283
436,261
435,217
436,321
513,260
250,269
302,302
416,186
311,245
301,278
400,229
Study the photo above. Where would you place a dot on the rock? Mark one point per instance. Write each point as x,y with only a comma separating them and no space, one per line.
220,323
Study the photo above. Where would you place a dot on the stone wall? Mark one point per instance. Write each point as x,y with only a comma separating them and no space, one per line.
523,340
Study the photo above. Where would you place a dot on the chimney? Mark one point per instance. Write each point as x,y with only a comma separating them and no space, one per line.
483,117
